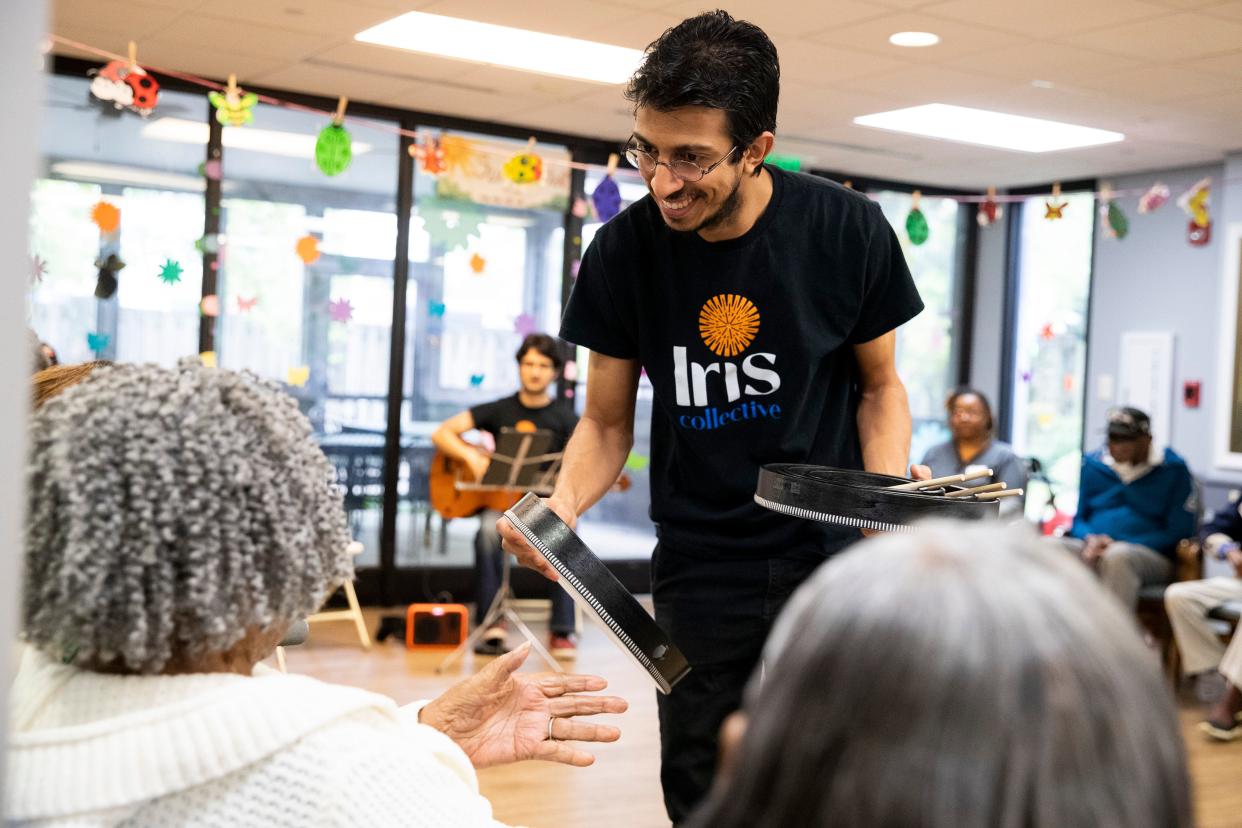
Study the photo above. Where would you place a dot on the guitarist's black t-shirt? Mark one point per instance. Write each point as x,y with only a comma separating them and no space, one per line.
556,417
749,346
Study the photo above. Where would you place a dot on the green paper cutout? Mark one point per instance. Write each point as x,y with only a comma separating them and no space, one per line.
170,272
333,150
916,227
1117,221
436,223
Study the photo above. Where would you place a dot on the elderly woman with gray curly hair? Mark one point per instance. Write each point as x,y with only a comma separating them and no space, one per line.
179,521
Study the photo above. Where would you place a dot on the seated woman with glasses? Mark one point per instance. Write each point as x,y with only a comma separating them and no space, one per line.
971,446
180,520
964,676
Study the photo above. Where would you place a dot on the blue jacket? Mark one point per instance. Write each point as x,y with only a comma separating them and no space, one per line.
1156,510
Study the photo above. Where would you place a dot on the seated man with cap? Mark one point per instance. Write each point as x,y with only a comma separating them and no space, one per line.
1135,502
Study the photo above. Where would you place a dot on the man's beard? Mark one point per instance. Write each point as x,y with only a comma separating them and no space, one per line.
726,211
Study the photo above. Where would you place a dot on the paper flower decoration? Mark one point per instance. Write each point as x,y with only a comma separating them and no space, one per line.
525,324
107,216
341,310
97,341
916,227
333,150
38,269
607,199
246,305
432,156
476,380
308,249
210,306
435,309
524,168
106,280
478,264
234,106
1154,198
297,377
208,359
170,272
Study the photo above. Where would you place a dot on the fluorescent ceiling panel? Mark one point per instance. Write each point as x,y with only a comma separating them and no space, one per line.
270,141
547,54
987,128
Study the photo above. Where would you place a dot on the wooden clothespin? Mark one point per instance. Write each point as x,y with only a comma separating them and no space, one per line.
1106,193
613,158
232,90
530,146
133,56
915,198
339,117
991,194
1056,190
847,184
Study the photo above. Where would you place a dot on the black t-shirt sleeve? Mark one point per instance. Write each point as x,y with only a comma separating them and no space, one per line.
890,297
487,417
592,318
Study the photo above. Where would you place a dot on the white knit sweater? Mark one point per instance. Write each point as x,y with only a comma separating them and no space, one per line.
225,750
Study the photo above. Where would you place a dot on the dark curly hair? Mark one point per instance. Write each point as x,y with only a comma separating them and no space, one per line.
543,344
715,61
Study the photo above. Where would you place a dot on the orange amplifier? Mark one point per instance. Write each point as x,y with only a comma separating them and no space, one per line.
436,625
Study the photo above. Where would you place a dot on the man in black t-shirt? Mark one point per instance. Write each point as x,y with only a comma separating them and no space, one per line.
531,409
762,305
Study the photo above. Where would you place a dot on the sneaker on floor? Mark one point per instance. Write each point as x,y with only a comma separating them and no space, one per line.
563,647
490,648
1216,732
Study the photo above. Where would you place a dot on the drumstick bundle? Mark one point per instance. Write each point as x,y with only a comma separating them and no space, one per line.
990,491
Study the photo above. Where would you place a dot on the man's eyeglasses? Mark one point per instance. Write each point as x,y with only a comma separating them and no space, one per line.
685,170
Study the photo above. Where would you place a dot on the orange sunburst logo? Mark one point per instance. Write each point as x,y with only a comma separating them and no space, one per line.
728,324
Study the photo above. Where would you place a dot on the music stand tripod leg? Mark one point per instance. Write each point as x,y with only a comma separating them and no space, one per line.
494,613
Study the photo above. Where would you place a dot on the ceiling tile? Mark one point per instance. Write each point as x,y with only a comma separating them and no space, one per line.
517,84
334,17
957,40
637,29
385,61
1044,61
807,61
121,20
1046,18
1228,64
1231,10
193,31
332,81
1160,83
927,84
570,18
805,108
1176,37
789,19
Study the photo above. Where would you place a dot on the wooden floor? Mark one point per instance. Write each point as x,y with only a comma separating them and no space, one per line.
622,788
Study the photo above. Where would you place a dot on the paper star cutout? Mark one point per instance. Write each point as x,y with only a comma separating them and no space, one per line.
38,269
97,341
170,272
308,249
106,216
1054,210
341,310
477,263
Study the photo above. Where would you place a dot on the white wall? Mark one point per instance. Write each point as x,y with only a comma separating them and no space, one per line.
20,66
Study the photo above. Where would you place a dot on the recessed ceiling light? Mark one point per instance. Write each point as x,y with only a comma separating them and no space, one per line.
1042,84
270,141
914,40
989,129
452,37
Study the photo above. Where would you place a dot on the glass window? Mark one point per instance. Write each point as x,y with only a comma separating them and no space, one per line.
486,263
619,526
305,289
1050,343
925,343
94,153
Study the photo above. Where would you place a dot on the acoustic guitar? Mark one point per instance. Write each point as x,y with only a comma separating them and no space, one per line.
454,494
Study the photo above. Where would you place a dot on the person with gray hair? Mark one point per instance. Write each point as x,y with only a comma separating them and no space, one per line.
962,676
180,520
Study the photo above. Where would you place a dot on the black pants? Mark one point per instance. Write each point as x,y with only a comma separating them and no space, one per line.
718,612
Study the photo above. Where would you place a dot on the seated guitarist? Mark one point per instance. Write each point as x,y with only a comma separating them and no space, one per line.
531,408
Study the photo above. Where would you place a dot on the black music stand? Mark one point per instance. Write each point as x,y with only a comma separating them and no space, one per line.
521,461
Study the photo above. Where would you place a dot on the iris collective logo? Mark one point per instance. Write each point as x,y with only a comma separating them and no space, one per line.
728,325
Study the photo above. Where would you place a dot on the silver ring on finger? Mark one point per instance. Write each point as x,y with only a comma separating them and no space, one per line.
551,738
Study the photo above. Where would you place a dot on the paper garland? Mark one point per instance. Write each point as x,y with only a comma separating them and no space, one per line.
1154,198
917,229
333,150
234,106
607,196
124,85
989,211
1054,207
106,279
1196,202
1113,220
525,167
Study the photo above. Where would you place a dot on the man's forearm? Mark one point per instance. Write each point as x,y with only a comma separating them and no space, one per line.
884,429
593,459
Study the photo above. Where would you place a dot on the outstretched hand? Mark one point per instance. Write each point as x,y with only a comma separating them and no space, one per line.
515,543
499,715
